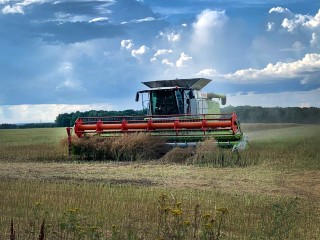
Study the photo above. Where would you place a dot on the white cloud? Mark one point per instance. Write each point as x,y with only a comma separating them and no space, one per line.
183,60
270,26
314,22
128,44
147,19
173,37
208,72
167,62
170,36
12,10
279,10
153,59
99,19
18,8
43,112
184,25
315,41
291,24
206,22
62,17
138,53
162,52
309,65
299,20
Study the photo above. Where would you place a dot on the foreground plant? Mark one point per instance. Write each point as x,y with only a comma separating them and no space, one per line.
173,223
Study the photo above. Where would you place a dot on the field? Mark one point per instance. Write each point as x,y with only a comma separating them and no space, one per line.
274,194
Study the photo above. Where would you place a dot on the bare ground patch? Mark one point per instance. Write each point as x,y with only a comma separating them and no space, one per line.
303,184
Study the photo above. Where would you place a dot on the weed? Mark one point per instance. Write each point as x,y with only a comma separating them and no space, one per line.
283,216
174,224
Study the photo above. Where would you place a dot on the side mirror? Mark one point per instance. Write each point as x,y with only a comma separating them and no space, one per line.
137,97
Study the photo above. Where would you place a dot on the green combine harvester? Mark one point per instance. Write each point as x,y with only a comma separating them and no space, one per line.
177,110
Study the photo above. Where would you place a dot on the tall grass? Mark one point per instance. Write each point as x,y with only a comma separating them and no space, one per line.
96,211
288,150
25,145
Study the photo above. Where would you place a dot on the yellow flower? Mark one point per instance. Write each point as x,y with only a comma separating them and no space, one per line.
176,211
73,210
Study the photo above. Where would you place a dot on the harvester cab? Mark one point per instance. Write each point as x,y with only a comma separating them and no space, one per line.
178,97
177,110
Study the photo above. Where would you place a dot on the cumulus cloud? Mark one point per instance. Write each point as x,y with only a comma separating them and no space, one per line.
206,22
183,60
314,22
279,10
167,62
162,52
173,37
18,7
208,72
138,53
315,40
128,44
291,24
308,66
299,20
12,9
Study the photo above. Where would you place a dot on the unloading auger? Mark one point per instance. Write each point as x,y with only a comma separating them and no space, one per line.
177,110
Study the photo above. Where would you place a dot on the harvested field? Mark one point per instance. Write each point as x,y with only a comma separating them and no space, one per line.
268,199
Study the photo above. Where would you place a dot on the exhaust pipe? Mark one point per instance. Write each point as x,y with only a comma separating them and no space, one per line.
223,97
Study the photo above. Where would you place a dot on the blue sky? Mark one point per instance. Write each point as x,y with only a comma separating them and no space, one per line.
62,56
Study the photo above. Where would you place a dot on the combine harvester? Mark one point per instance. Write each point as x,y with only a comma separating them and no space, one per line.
177,110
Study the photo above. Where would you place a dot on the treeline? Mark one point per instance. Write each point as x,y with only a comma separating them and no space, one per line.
246,114
68,119
27,125
249,114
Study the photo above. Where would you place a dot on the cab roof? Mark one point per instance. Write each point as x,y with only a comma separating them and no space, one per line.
192,83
